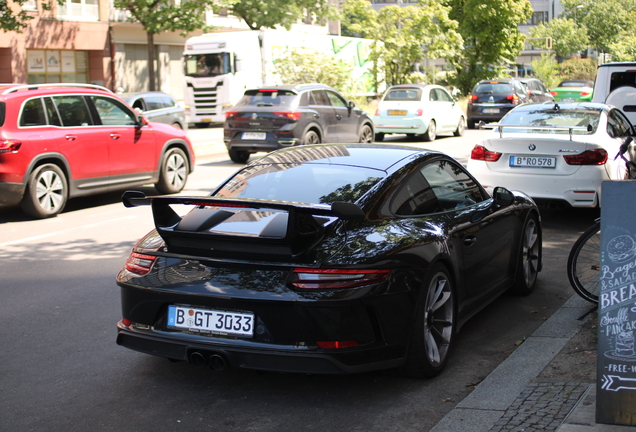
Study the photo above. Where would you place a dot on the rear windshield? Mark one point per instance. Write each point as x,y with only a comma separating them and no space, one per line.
621,79
576,84
277,98
494,88
403,94
307,183
582,118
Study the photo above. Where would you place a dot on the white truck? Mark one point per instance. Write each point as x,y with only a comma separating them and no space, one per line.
219,67
615,84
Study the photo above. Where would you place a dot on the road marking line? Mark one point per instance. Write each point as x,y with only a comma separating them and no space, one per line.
41,236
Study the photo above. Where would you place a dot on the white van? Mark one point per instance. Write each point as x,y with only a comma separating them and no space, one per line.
616,85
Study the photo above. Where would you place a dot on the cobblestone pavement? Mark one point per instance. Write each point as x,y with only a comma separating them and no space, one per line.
542,406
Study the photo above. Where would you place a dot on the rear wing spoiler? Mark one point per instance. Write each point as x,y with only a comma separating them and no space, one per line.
500,127
294,231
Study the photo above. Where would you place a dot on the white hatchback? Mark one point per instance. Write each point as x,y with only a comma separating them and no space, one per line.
418,109
557,153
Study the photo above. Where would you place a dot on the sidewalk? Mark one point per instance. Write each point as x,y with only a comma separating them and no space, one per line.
512,399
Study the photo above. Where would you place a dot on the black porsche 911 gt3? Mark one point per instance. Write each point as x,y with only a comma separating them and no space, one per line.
326,259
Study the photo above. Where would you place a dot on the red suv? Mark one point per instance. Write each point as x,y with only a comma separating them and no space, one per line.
60,141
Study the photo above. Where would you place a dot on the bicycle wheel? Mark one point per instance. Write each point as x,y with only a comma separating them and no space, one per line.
584,263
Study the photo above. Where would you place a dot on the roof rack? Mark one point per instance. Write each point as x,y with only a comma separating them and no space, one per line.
37,86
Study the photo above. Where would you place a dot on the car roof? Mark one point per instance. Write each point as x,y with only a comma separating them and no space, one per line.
374,156
52,88
422,86
294,87
562,106
141,94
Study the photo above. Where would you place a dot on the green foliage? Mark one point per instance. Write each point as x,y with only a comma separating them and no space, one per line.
259,14
624,49
405,35
547,70
297,68
11,20
578,68
567,37
491,37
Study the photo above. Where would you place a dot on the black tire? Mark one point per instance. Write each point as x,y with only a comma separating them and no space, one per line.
311,137
366,134
239,156
529,258
461,127
379,137
174,172
584,263
431,132
433,327
177,125
46,192
471,124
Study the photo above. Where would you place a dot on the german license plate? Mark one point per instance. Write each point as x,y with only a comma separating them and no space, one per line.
206,120
491,111
568,100
254,135
397,112
211,321
533,161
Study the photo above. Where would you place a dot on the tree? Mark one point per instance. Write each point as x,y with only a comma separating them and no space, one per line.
157,16
12,16
567,37
547,70
298,68
259,14
491,37
579,69
404,35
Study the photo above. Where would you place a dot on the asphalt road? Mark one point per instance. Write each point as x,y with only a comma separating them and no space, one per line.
60,368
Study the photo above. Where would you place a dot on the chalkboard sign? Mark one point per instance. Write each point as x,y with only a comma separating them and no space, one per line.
616,370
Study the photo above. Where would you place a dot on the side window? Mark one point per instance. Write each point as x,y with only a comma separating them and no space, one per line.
617,126
112,112
624,121
432,96
304,100
444,96
139,103
154,103
438,186
33,113
51,112
336,100
168,102
73,110
320,98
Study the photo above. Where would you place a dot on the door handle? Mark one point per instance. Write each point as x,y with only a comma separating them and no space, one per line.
338,116
317,116
469,240
115,136
70,137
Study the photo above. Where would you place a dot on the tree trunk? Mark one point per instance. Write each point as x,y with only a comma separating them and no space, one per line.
151,62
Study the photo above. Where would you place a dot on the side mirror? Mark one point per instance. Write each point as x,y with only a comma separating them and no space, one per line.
352,105
346,210
502,197
143,121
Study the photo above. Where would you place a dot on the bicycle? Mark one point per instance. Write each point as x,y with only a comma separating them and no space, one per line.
584,261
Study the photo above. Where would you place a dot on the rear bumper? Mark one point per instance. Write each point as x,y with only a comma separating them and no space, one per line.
11,193
295,360
399,126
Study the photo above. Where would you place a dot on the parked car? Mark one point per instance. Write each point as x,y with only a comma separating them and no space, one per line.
418,109
615,84
537,91
573,91
60,141
158,107
275,117
331,258
559,153
490,100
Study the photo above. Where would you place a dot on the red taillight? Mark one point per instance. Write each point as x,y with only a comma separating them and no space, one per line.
229,115
306,278
419,112
377,111
337,344
140,264
126,322
588,157
554,93
472,98
482,153
291,115
585,93
8,146
513,98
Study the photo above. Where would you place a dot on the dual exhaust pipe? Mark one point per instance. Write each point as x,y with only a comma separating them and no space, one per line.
216,361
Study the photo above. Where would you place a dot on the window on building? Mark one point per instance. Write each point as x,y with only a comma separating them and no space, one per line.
30,5
538,18
55,66
79,9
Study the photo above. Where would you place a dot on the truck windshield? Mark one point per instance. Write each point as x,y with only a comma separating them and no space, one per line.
205,65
